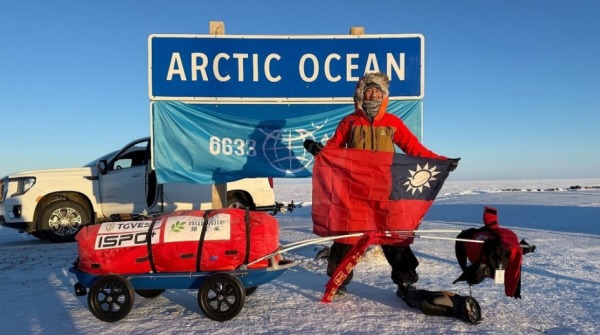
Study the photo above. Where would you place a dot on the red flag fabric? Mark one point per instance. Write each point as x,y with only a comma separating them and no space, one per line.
361,190
345,267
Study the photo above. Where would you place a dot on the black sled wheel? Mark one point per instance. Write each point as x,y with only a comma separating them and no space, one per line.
149,293
110,298
221,297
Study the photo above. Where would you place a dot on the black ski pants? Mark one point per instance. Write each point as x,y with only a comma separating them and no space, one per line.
402,260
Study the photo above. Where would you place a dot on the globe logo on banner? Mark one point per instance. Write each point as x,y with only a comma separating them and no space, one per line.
284,150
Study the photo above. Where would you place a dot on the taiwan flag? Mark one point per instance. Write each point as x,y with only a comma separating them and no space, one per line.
360,191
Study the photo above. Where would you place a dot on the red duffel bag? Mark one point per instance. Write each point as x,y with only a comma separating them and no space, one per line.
182,241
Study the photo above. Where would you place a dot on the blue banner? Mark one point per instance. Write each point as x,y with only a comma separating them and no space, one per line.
214,144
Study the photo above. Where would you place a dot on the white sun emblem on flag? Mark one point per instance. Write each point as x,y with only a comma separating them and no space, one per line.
420,178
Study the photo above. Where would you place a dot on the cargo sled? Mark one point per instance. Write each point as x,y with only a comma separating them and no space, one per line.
221,253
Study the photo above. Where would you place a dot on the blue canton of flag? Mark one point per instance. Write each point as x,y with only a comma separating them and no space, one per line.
417,177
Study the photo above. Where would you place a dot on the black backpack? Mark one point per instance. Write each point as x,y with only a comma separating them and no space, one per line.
484,258
500,250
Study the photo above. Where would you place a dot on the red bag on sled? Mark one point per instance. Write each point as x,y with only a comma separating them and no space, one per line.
183,241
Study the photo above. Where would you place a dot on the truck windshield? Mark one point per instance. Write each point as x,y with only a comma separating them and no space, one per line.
107,157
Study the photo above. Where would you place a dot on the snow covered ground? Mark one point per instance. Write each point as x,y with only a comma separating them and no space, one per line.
560,282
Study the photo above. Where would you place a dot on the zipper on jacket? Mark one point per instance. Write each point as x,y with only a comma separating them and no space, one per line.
372,137
364,136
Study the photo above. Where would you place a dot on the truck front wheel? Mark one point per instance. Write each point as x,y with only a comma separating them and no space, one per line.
61,220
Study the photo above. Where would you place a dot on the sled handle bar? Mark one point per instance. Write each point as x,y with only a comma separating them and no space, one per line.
409,233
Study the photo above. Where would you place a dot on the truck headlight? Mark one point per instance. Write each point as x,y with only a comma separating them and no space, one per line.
23,185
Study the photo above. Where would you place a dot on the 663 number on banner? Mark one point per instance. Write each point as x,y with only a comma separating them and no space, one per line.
228,146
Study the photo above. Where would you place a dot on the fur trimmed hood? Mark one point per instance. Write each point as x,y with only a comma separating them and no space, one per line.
377,79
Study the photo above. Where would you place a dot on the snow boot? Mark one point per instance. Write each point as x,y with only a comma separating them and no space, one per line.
403,290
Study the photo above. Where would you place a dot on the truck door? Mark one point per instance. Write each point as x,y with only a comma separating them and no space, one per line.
122,187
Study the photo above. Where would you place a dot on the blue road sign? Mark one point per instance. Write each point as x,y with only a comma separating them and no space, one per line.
284,69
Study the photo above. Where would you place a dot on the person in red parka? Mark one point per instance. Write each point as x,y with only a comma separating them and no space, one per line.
370,127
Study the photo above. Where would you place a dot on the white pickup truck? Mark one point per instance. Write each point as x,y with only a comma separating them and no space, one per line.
55,204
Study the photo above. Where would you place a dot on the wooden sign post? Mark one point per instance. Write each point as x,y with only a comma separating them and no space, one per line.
219,191
357,30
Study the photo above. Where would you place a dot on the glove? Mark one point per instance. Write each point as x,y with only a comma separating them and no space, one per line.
466,309
313,147
453,163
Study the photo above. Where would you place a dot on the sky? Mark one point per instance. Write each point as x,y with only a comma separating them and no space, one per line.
511,86
560,288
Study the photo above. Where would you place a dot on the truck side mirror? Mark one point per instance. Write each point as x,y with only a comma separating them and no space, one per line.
102,166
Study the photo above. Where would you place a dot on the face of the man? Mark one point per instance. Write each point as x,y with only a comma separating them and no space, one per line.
372,98
373,94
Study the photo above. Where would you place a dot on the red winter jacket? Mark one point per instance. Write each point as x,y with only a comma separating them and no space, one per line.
357,131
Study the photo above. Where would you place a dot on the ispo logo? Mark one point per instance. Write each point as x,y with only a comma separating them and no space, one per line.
121,240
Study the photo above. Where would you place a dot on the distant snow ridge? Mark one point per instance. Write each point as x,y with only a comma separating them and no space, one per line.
572,188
